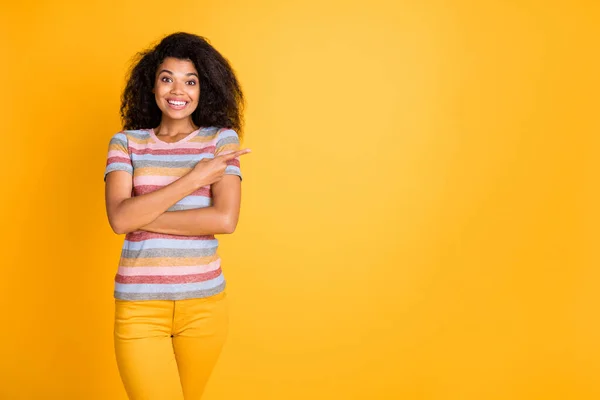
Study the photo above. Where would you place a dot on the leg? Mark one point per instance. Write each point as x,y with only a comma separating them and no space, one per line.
200,330
144,350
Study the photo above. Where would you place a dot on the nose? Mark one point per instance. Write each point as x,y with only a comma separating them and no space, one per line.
177,88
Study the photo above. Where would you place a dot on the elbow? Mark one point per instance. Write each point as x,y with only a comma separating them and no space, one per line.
118,227
229,224
120,231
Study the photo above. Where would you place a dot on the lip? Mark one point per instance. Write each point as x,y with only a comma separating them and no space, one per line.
174,107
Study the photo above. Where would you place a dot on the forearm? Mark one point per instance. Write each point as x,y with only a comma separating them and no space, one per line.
196,222
135,212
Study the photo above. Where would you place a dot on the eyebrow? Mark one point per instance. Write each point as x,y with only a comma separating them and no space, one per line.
188,74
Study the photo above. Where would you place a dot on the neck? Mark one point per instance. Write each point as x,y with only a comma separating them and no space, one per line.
174,127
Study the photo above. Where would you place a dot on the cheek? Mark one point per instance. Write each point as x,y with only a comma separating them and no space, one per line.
194,93
158,90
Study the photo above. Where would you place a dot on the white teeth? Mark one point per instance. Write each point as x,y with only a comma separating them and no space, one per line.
177,103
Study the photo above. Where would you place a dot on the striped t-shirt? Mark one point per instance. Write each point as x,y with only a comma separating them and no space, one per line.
156,266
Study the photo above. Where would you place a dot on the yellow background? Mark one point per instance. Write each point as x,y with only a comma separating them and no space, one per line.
420,210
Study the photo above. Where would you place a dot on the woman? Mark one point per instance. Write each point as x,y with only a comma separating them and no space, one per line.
173,181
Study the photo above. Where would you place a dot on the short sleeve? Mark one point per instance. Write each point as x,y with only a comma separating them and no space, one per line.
228,141
118,158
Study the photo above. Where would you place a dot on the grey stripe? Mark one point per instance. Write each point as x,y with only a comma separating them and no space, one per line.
170,296
165,164
180,207
139,134
233,170
149,253
118,140
210,131
114,167
117,167
227,140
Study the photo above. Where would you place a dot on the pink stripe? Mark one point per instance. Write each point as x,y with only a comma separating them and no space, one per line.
198,269
154,180
170,152
117,153
143,189
124,160
185,145
139,236
168,278
235,162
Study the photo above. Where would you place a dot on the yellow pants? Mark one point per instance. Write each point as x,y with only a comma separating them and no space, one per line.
166,350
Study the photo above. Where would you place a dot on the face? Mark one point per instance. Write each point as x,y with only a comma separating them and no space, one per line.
177,88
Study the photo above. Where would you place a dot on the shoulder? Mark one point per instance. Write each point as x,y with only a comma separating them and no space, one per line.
209,132
226,140
226,136
139,134
118,140
126,137
119,137
218,134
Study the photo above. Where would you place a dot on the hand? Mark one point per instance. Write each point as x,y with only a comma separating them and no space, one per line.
210,170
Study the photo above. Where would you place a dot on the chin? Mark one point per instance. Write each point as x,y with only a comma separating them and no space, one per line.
176,115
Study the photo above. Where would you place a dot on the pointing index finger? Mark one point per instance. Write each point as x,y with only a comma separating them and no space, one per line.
231,156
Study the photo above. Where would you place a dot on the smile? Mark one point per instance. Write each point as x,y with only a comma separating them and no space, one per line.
176,104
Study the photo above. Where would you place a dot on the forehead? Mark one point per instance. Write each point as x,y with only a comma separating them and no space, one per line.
177,66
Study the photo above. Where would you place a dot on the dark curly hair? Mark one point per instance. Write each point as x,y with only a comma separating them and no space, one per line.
221,100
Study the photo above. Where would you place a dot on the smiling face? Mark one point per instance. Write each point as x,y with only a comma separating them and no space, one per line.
177,88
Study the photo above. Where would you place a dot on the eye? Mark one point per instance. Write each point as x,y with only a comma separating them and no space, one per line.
166,79
192,83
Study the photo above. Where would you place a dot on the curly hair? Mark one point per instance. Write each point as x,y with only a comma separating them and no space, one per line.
221,100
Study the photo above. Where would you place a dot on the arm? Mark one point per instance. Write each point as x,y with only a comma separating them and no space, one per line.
222,217
127,213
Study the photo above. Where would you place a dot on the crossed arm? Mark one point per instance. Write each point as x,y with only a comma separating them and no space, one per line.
148,212
221,217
